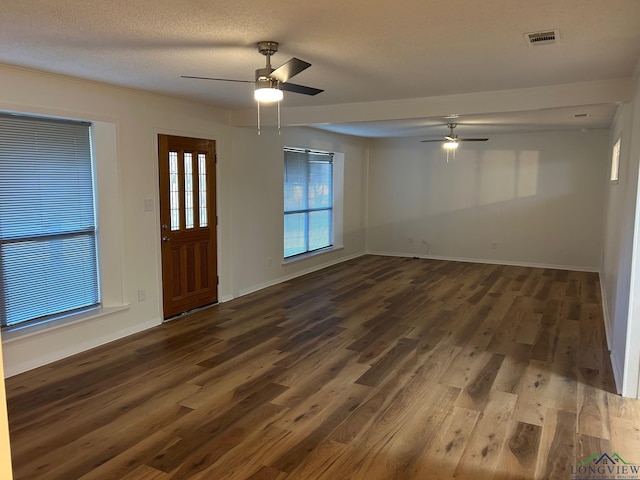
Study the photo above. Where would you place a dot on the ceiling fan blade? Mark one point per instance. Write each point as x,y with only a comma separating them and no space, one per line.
451,139
292,87
218,79
425,141
473,139
289,69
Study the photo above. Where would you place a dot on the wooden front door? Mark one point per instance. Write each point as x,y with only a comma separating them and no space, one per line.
187,223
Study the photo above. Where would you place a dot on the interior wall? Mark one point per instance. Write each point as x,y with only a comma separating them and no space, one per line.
258,169
631,379
249,202
620,204
528,198
621,262
125,147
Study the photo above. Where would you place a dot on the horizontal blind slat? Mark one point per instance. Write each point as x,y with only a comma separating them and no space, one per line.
46,197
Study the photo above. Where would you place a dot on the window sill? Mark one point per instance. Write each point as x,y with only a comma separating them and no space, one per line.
18,332
306,256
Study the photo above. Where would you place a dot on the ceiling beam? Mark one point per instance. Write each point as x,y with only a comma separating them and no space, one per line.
613,91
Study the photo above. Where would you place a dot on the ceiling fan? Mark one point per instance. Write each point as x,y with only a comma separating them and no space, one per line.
269,83
451,141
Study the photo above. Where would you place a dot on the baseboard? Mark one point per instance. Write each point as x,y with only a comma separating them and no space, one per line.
605,314
35,361
618,371
577,268
306,271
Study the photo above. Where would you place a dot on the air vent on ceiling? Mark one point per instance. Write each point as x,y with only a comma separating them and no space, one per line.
546,37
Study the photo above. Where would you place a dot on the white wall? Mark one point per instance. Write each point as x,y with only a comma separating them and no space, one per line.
127,124
258,164
631,379
538,195
621,262
618,242
249,191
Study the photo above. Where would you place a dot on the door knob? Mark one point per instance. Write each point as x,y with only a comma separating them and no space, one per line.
165,239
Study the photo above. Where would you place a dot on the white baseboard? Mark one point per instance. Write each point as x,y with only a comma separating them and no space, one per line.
618,371
286,278
43,357
605,314
577,268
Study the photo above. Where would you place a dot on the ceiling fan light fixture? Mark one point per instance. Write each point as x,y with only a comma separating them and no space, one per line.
451,145
268,95
268,90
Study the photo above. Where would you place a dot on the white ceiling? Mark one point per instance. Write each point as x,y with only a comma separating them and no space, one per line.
550,119
361,51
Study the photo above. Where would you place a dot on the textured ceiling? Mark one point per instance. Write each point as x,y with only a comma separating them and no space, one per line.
361,51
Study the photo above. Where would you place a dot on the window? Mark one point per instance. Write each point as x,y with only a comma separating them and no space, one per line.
308,201
615,162
48,261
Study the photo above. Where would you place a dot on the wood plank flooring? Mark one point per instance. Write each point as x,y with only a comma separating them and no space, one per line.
377,368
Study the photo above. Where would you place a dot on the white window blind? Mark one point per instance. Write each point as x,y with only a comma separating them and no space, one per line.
48,260
308,201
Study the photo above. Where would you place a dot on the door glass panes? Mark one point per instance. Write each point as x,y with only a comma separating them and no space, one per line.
188,190
174,191
202,188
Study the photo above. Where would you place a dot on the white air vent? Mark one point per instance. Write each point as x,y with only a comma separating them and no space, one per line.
546,37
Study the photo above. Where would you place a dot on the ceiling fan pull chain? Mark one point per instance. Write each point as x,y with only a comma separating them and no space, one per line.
258,117
279,131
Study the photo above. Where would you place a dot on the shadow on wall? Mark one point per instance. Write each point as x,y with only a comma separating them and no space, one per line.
535,199
523,230
484,177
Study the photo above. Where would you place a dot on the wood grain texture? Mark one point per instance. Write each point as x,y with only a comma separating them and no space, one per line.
377,368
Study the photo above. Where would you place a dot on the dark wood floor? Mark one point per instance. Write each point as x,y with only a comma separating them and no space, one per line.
378,368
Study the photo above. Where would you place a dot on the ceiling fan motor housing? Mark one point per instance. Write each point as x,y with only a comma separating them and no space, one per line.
267,82
264,74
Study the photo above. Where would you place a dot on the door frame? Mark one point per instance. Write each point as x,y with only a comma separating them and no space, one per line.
157,218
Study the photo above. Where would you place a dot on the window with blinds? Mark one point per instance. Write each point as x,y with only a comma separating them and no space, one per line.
48,257
308,201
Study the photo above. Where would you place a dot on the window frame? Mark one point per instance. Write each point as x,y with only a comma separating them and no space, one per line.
307,211
91,231
615,161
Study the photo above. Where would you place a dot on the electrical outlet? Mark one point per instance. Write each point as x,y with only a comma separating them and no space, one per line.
494,245
142,295
269,262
